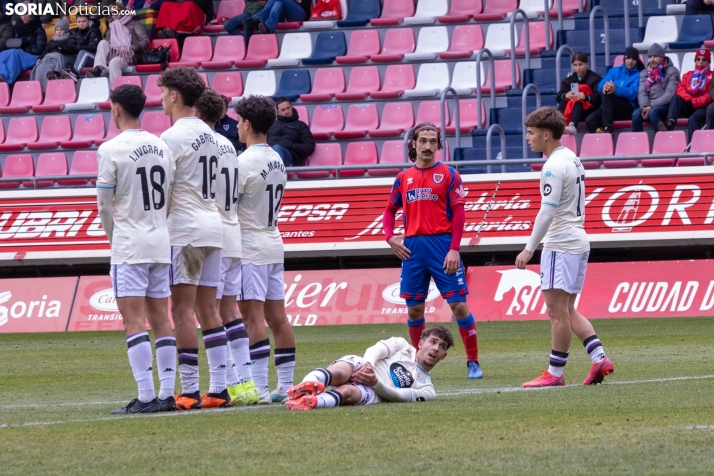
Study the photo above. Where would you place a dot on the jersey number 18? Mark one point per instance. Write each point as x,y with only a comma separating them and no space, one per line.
157,187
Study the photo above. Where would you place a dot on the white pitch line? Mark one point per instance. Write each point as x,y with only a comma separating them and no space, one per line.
68,404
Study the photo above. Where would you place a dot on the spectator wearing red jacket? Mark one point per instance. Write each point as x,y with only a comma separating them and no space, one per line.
692,96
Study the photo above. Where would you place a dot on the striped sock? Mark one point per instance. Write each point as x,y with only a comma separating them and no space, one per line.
469,336
594,348
259,356
188,370
333,398
557,363
140,359
231,374
238,346
323,376
166,362
415,330
285,368
216,353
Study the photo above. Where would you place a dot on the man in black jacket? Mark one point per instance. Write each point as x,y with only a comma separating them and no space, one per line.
81,47
290,137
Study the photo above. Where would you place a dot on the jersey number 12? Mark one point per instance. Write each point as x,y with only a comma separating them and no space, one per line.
581,192
274,199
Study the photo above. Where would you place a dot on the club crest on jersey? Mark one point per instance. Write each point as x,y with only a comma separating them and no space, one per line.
438,178
225,127
417,194
401,377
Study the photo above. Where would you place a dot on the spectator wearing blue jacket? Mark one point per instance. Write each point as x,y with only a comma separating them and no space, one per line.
618,93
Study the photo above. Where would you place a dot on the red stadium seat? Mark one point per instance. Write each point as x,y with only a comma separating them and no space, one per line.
629,143
363,44
49,165
155,122
394,12
464,41
229,49
397,79
537,38
226,9
392,153
18,165
462,11
2,132
25,94
54,130
152,91
230,83
170,43
88,129
359,153
4,94
702,141
327,82
196,49
59,92
496,11
429,112
397,117
84,162
569,142
20,132
397,43
326,120
118,81
503,77
261,48
666,142
363,79
324,155
303,114
570,8
360,119
468,115
594,145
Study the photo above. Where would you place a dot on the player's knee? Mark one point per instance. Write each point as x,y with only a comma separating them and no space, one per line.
416,312
460,309
351,395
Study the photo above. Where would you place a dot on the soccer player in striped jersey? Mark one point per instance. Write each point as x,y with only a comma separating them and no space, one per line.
210,108
196,235
390,371
135,171
564,259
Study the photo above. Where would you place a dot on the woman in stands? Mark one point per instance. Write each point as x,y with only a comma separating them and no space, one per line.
52,60
692,96
578,96
24,49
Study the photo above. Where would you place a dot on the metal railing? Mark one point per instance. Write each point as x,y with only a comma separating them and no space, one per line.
489,157
457,119
526,29
492,73
640,19
558,56
524,111
546,6
606,21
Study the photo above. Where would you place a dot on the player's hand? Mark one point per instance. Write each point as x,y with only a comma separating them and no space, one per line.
452,262
365,376
523,258
397,244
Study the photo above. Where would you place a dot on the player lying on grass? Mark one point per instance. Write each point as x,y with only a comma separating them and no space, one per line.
390,371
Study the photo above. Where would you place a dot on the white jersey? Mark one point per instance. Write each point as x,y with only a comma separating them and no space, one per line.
562,186
138,166
193,218
400,370
261,184
227,196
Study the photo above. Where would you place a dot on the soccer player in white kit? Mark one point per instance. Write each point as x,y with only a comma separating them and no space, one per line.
261,185
135,171
196,236
210,108
390,371
564,259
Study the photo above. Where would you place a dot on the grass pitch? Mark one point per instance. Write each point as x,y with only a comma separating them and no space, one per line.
655,415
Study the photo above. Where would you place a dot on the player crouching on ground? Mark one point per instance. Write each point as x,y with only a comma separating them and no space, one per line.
390,371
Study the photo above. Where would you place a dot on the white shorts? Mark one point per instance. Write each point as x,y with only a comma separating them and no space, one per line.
369,396
199,266
262,282
564,271
230,277
140,280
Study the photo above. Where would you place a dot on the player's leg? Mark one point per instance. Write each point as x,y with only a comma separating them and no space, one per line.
343,395
414,288
277,320
315,382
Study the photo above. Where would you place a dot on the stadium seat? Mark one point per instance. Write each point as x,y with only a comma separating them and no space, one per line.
503,77
468,116
363,44
303,115
397,117
397,79
695,30
25,94
88,129
2,132
359,153
660,29
324,155
464,77
171,44
687,64
327,24
92,91
432,78
361,12
229,49
196,50
465,40
363,80
462,11
155,122
50,164
666,142
629,143
498,39
533,8
567,141
427,12
152,91
84,162
54,130
228,83
293,83
59,92
328,82
675,61
360,119
594,145
296,46
496,10
397,42
18,165
20,132
537,39
259,83
392,153
118,81
226,9
394,12
328,46
570,8
112,132
326,120
429,112
261,48
432,41
4,94
702,141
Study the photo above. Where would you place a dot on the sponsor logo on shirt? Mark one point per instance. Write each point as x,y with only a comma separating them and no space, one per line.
420,194
401,377
461,192
438,178
547,189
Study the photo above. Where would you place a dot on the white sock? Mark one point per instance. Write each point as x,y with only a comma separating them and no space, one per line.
166,363
231,374
285,368
216,353
140,359
557,363
188,370
594,348
333,398
319,375
259,356
239,349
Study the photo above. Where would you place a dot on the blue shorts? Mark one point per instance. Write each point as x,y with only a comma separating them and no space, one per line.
427,261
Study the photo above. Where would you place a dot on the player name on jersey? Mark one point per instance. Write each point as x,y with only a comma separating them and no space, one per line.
144,150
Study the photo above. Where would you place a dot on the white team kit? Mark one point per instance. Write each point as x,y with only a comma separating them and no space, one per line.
565,246
261,185
138,166
227,202
194,223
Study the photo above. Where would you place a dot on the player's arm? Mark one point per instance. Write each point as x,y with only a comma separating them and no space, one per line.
106,184
389,218
458,218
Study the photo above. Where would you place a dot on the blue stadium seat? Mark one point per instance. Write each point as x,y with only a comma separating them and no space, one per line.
361,12
328,46
695,30
293,83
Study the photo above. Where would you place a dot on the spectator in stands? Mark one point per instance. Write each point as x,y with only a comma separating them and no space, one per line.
576,106
692,95
696,7
289,136
234,25
618,93
52,59
24,49
81,47
179,19
228,128
6,30
658,84
274,11
123,44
